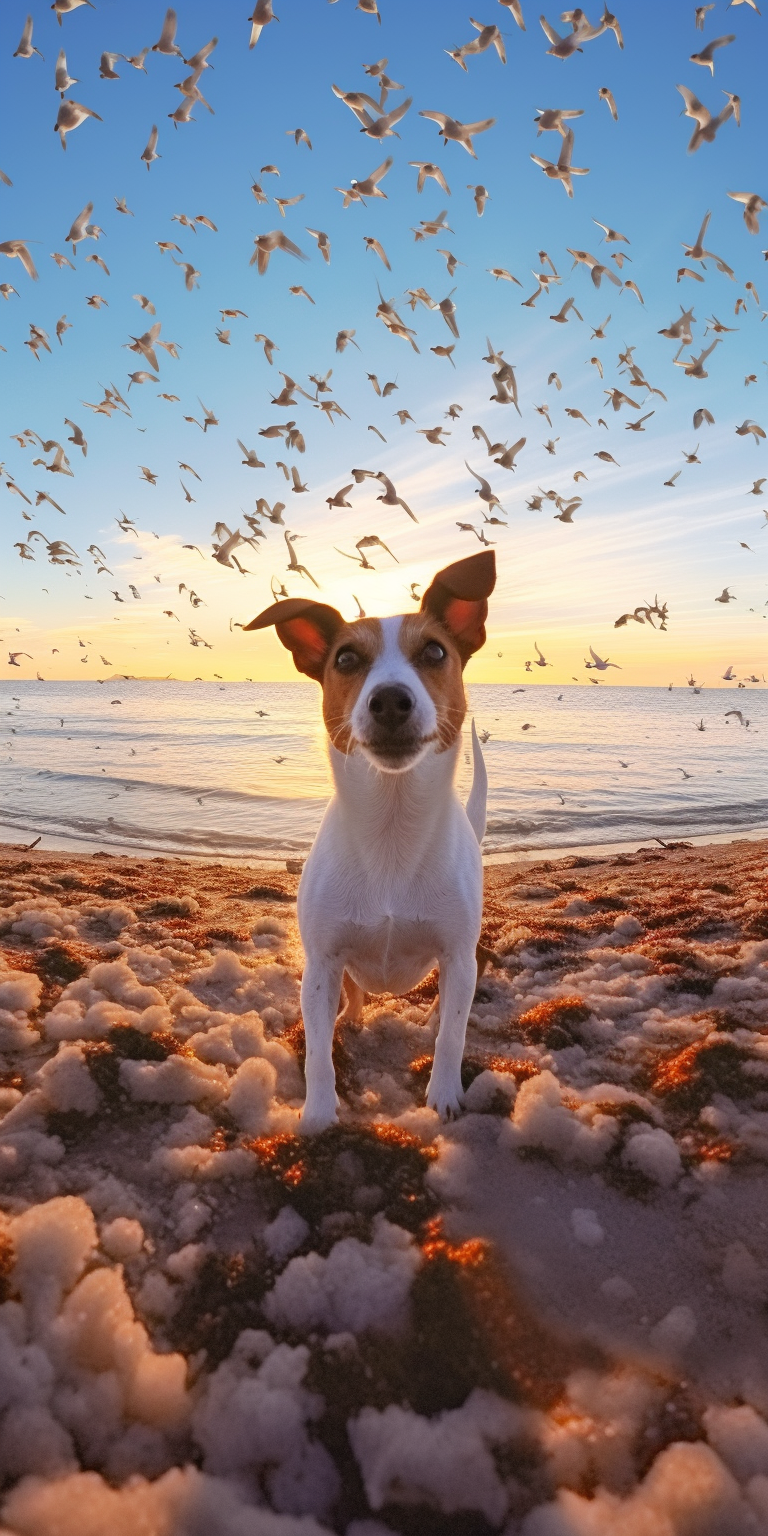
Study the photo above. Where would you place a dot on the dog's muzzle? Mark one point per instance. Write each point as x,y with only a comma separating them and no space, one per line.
393,735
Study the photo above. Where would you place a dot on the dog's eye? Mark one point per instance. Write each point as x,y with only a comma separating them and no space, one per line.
347,661
433,652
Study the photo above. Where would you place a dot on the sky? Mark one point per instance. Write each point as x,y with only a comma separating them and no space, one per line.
560,586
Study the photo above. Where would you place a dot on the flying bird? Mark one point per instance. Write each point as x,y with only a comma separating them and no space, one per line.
71,115
452,131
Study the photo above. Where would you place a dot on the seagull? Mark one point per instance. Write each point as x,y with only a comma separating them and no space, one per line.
563,47
552,119
294,565
339,498
452,130
25,50
694,366
251,460
149,153
750,428
166,42
391,498
485,493
610,101
705,57
261,16
274,240
426,169
507,459
71,115
562,170
18,248
358,191
190,273
706,125
726,597
372,244
490,36
562,315
323,243
478,532
597,663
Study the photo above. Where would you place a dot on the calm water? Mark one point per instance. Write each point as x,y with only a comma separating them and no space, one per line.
192,768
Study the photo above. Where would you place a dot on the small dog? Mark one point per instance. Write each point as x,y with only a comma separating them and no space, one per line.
393,884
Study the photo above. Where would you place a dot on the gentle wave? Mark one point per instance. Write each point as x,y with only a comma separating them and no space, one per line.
697,818
162,786
596,766
177,840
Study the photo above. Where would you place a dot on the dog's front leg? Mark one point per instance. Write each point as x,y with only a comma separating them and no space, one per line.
458,979
320,990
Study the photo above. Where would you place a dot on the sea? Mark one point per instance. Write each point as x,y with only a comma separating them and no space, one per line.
238,770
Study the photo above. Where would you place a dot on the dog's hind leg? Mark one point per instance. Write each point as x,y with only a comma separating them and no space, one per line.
353,1001
484,957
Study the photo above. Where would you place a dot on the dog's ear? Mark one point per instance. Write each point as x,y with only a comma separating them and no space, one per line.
306,629
458,597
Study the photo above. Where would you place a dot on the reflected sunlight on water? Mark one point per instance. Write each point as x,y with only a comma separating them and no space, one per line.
239,770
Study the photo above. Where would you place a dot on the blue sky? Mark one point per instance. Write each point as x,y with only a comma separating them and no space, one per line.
562,585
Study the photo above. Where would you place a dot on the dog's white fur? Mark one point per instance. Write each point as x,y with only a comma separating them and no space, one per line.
392,886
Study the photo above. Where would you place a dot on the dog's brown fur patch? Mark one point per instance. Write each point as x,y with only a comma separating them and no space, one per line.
341,689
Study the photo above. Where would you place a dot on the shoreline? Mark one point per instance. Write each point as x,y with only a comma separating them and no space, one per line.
56,845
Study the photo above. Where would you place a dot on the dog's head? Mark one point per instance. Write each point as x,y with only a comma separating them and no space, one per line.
392,688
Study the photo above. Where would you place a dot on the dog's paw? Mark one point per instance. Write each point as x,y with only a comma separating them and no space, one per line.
446,1098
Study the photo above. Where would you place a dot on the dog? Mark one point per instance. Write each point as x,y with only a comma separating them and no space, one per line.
393,884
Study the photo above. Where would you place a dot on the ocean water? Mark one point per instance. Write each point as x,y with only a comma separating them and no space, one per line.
238,770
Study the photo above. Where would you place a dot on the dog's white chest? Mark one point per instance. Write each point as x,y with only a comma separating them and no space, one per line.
391,955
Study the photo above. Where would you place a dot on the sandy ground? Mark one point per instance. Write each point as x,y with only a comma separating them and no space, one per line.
546,1318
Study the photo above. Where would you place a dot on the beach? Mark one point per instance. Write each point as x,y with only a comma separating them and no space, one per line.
545,1317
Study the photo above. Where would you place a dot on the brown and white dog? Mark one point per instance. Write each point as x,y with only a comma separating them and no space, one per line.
393,884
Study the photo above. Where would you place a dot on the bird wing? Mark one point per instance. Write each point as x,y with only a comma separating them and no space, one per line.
381,170
483,483
693,107
397,112
549,31
564,158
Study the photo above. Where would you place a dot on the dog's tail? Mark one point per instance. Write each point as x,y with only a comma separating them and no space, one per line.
478,795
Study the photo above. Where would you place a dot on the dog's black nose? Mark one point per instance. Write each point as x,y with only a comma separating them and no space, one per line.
391,706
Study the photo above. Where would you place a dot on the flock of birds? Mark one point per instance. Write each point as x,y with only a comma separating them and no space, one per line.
377,117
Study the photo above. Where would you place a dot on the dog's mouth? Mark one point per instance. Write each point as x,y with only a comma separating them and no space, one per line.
395,754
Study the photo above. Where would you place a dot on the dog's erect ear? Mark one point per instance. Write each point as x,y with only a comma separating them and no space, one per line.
305,628
458,597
